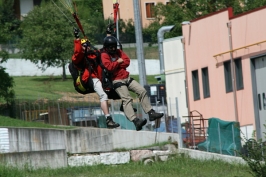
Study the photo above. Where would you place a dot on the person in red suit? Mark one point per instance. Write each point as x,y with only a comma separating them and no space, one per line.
85,60
116,62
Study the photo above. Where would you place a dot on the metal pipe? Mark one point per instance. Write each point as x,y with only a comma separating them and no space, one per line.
160,36
139,44
232,70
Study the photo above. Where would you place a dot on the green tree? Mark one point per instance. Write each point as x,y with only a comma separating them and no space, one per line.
178,11
9,26
47,38
6,86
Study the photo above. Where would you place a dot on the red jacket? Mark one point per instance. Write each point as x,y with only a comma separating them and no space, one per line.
78,59
110,63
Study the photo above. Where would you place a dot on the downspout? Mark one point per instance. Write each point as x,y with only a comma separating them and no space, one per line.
233,70
160,36
185,69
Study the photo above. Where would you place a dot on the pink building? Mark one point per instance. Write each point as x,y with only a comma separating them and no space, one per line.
210,44
126,10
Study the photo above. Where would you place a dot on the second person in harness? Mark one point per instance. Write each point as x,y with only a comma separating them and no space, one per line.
116,62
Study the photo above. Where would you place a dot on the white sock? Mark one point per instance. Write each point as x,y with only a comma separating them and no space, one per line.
107,115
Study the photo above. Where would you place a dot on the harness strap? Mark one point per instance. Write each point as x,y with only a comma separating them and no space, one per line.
119,84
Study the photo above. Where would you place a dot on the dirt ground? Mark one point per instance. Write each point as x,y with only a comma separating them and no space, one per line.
77,97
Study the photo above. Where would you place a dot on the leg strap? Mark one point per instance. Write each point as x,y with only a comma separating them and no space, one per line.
119,84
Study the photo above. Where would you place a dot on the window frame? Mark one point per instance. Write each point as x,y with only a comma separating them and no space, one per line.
195,83
238,75
205,82
228,76
150,14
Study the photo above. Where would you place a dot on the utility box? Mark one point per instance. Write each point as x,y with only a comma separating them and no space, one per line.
160,79
157,93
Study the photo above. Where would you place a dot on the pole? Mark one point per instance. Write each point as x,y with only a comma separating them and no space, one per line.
139,44
160,37
232,70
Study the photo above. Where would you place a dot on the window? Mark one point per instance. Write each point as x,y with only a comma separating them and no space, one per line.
195,82
150,10
205,82
153,90
238,75
228,77
36,2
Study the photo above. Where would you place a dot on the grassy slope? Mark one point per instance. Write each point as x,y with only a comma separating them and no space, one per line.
10,122
37,87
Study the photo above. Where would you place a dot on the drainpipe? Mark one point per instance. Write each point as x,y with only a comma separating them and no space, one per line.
233,70
160,36
185,64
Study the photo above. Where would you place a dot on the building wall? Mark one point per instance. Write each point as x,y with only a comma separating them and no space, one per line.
175,76
209,36
126,9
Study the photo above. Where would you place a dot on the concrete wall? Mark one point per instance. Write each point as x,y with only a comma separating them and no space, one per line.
81,140
84,140
22,67
98,139
32,139
35,159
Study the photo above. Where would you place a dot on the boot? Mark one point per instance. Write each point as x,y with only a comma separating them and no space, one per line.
122,108
110,123
154,115
139,123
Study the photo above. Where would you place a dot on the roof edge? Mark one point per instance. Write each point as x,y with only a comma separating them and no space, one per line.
229,9
248,12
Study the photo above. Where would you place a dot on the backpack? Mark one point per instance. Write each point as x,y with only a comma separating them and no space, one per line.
85,88
79,85
77,71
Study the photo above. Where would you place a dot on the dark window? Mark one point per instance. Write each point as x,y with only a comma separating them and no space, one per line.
263,101
238,75
37,2
150,10
195,81
228,77
259,101
205,82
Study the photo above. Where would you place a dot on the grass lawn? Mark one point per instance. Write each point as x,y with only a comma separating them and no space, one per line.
177,166
48,87
10,122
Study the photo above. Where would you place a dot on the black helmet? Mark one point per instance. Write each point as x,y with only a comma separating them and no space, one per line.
110,44
110,41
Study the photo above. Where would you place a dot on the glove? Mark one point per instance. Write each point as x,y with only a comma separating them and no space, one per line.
109,29
76,33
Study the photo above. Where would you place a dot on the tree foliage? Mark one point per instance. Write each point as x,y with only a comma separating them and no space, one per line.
47,38
9,26
254,155
6,86
178,11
